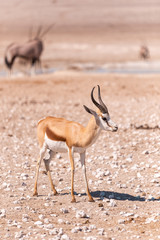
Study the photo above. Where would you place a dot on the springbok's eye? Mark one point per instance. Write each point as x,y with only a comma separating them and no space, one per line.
104,118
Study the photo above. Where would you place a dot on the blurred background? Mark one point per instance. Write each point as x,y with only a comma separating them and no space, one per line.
86,34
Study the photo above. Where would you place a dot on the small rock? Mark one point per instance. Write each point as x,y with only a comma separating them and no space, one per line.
19,234
65,237
61,221
49,226
38,223
121,221
2,213
76,230
63,210
81,214
54,231
101,231
112,203
41,216
100,205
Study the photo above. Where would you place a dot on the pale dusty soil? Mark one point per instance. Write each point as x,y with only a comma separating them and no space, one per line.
130,155
123,168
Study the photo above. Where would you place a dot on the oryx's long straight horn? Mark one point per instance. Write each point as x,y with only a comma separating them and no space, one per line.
39,32
101,108
100,100
47,30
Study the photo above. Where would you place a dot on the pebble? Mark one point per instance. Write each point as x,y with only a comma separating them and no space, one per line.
14,223
91,238
92,226
54,231
48,226
41,216
19,234
100,231
24,176
121,221
76,230
2,213
138,190
64,210
46,220
38,223
81,214
25,218
61,221
65,237
112,203
157,175
151,219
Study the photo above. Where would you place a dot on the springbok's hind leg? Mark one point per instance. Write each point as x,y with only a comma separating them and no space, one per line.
42,153
47,162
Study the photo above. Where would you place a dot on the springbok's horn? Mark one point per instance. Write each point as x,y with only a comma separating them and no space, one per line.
100,99
101,108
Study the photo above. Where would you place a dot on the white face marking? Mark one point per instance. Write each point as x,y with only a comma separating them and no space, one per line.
106,123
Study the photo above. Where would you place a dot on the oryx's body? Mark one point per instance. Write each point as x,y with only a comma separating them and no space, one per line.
61,135
30,50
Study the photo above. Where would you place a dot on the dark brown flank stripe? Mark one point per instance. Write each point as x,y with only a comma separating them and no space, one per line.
53,136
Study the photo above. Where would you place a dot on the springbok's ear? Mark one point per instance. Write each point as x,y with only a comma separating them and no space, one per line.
90,111
87,109
93,113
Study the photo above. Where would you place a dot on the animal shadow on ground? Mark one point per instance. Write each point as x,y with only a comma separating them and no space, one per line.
119,196
100,195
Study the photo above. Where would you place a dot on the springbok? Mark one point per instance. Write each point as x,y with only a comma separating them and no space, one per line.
61,135
30,50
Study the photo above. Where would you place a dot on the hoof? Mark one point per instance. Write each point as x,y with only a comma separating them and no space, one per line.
73,200
56,193
35,194
91,200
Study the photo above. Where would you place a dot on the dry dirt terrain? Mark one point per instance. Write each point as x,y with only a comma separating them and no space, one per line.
123,167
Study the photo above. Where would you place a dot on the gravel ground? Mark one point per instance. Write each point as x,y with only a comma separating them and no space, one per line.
123,168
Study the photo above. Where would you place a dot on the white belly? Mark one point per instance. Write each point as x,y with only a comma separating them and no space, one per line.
60,146
56,146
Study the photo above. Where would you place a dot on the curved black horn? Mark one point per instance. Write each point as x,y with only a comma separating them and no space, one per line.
101,108
100,99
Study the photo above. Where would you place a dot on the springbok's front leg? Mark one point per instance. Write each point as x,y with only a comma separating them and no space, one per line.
82,158
72,174
42,153
47,162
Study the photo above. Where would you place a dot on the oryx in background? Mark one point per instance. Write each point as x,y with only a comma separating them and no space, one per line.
30,50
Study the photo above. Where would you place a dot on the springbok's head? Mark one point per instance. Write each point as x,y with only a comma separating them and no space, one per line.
102,116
